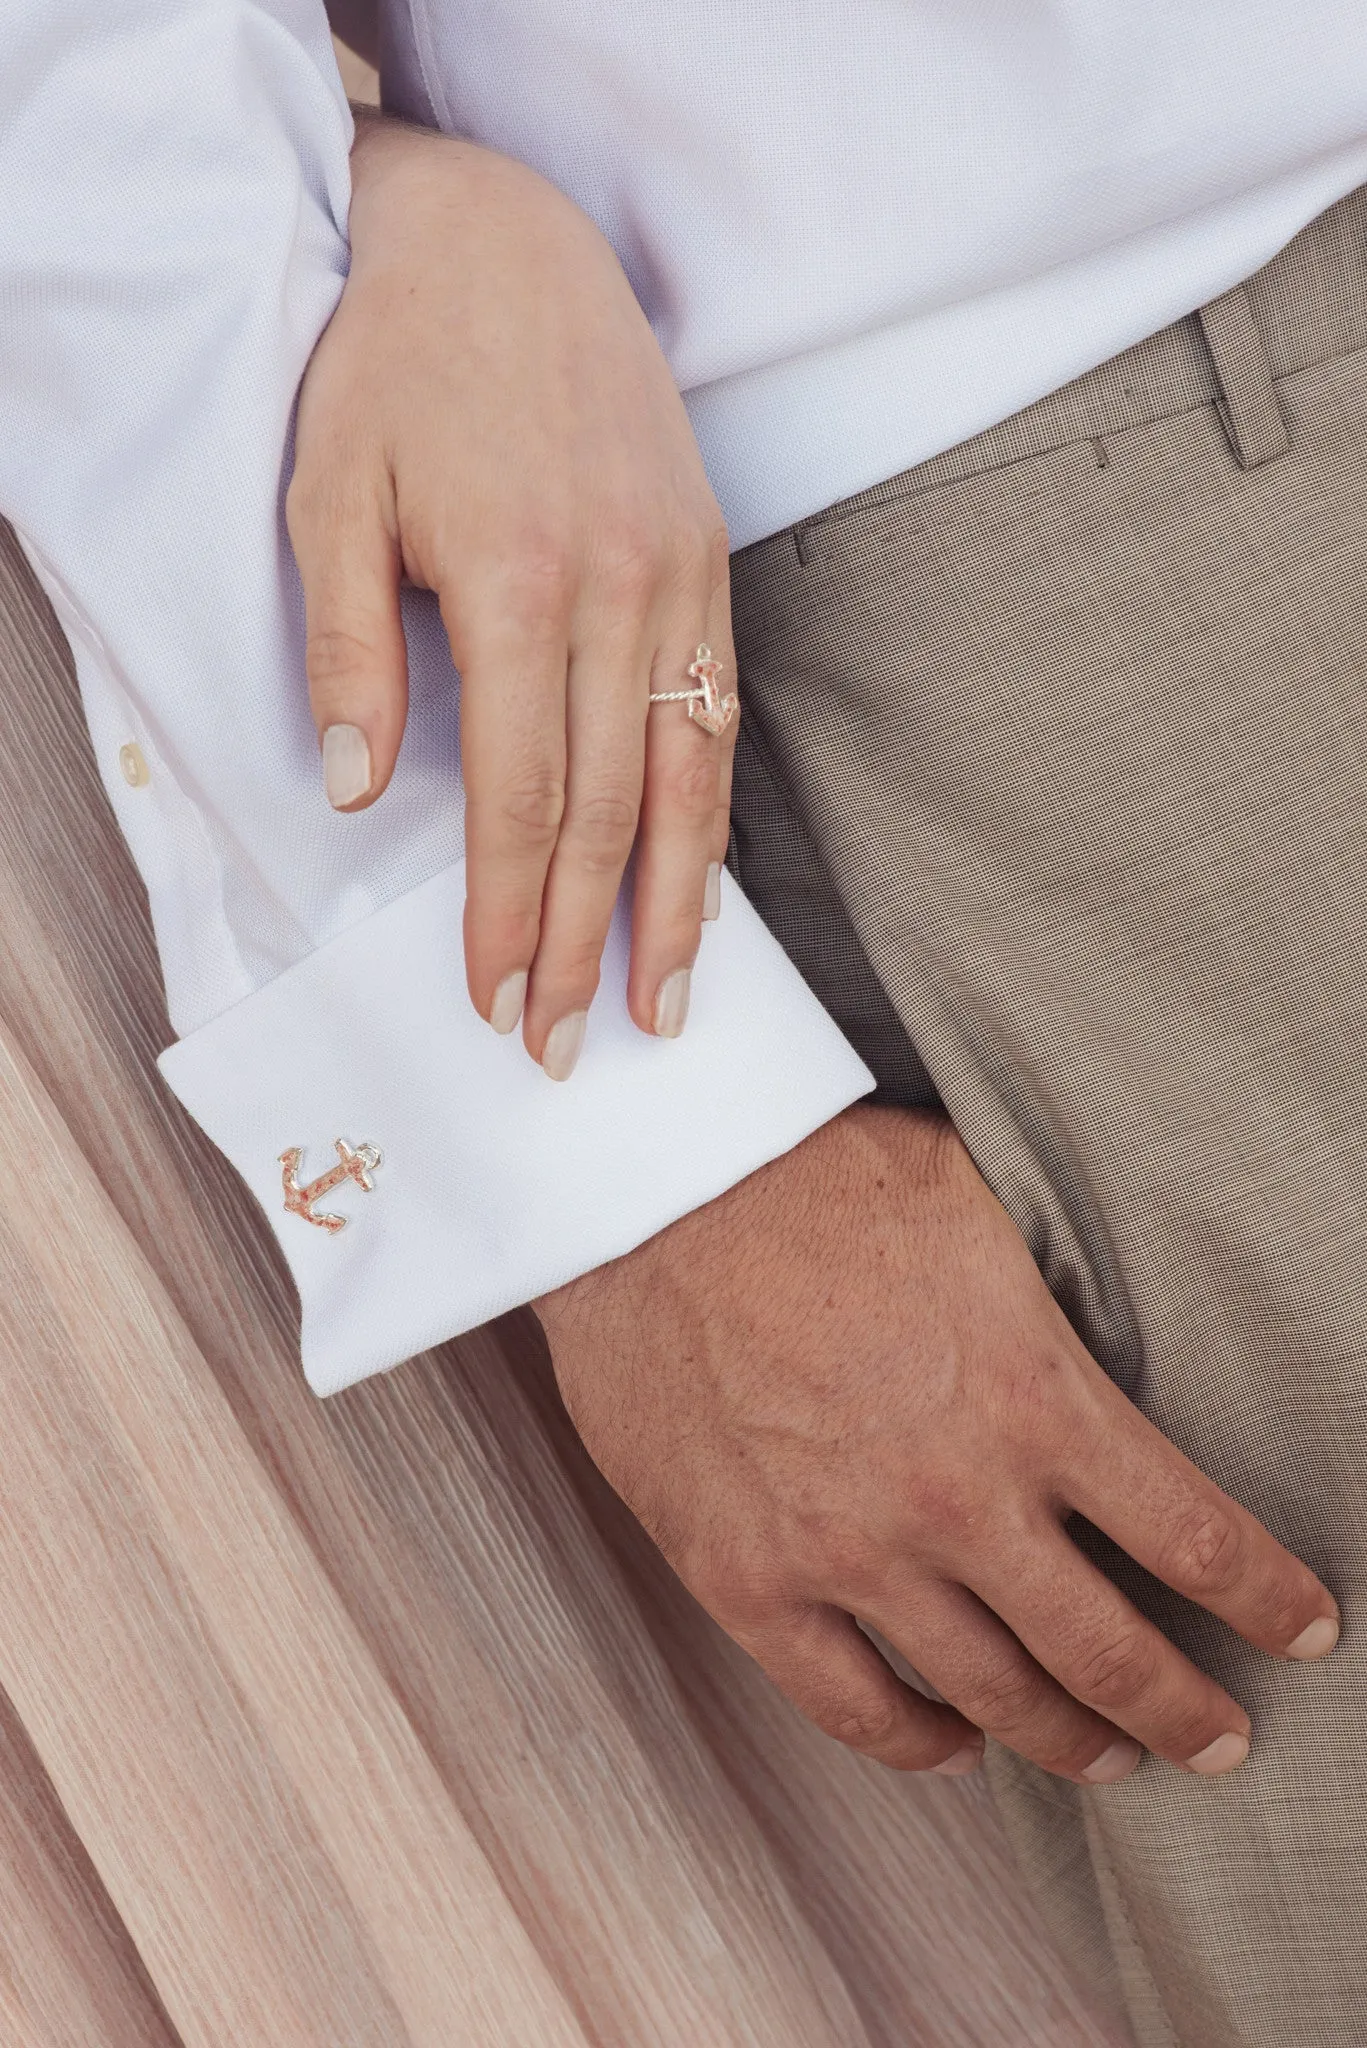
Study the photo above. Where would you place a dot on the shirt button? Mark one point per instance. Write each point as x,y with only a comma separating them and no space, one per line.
133,765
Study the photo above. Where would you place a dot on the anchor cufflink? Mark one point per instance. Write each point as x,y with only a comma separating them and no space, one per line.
357,1166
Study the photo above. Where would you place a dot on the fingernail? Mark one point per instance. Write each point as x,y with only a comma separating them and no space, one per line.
711,895
1226,1753
346,764
1116,1762
1317,1640
671,1004
506,1007
564,1045
962,1762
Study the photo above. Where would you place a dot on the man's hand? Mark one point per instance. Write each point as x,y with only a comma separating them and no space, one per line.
842,1390
489,415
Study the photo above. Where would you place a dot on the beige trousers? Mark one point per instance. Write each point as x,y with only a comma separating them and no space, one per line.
1065,734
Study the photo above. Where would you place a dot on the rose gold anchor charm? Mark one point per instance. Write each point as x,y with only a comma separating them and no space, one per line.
709,708
357,1166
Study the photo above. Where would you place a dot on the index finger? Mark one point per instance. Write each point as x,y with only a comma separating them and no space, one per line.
1141,1491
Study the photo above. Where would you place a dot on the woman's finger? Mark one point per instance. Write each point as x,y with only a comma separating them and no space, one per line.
609,676
356,658
721,824
513,656
721,829
677,841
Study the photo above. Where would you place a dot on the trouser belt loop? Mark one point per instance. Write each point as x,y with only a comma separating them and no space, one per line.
1250,410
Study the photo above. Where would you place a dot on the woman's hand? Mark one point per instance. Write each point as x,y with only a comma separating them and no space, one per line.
489,415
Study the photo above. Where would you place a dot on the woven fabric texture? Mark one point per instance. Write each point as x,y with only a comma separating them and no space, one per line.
1075,718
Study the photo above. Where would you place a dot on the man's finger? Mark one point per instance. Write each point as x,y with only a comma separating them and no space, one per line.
356,657
969,1654
1083,1630
832,1673
1176,1522
606,717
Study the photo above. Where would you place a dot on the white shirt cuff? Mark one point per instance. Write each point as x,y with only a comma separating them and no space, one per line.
495,1184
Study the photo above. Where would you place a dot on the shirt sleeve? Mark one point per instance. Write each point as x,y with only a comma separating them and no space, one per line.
174,185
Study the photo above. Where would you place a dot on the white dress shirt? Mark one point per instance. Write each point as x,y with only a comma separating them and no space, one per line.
866,229
862,229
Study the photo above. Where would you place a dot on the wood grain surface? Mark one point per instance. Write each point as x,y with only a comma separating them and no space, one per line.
375,1720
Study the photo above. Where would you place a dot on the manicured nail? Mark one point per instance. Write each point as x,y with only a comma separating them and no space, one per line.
564,1045
1116,1762
1317,1640
506,1007
671,1004
1226,1753
711,895
346,764
962,1762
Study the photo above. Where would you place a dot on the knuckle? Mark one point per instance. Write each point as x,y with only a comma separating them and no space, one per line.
335,657
947,1511
1005,1696
690,783
603,827
851,1560
539,577
532,805
1110,1673
1204,1550
858,1723
629,563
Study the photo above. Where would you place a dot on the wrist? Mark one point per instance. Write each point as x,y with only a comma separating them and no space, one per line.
397,170
865,1153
